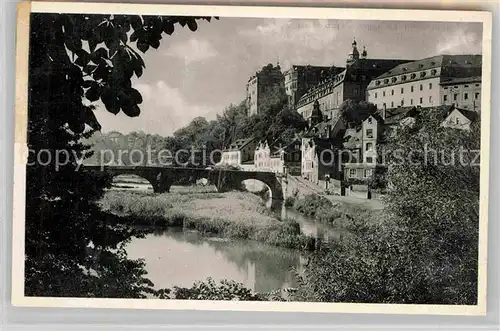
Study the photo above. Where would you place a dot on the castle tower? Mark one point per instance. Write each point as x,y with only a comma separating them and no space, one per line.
354,55
364,54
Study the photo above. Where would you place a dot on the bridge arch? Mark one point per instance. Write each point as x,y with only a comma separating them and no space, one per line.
126,180
162,178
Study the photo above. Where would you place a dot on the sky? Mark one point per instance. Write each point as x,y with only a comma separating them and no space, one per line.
200,73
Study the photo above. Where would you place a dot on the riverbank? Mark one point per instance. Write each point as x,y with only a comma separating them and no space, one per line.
234,215
334,213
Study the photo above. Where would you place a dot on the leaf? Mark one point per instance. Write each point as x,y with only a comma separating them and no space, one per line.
131,110
110,101
92,44
93,93
192,25
168,27
87,83
135,96
142,46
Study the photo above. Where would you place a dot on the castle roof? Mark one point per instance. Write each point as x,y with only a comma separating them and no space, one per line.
239,144
462,80
444,66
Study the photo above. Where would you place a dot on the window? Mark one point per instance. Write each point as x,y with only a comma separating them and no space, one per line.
368,172
455,97
402,90
370,120
375,95
392,92
421,87
383,93
476,95
369,133
430,98
430,86
297,157
369,160
445,98
402,102
411,101
369,146
421,100
352,172
457,120
392,104
466,96
411,88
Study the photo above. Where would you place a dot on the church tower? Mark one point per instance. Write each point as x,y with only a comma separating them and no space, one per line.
364,54
354,55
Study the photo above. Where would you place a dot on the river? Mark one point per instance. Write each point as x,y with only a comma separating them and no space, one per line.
177,257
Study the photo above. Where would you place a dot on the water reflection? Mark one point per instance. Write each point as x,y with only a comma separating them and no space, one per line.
179,258
314,228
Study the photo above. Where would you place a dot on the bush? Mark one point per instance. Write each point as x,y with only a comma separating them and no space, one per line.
289,201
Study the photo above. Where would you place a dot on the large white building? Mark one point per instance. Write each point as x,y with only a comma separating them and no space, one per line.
421,83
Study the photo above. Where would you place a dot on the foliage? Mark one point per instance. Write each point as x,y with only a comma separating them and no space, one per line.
74,60
210,290
354,112
233,215
424,250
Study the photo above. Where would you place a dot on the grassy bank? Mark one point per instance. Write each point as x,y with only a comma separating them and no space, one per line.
234,215
332,212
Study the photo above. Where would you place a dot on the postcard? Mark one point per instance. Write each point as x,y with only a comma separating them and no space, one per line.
251,158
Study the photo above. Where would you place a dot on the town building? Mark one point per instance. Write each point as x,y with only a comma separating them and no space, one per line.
422,83
458,118
281,160
300,78
268,81
240,153
464,93
350,83
320,149
360,157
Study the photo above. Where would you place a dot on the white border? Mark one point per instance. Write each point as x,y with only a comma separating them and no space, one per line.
24,9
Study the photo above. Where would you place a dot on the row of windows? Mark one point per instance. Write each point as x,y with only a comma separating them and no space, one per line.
353,173
404,78
421,87
421,101
465,96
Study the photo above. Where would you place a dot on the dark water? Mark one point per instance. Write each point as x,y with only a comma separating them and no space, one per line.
175,257
313,228
179,258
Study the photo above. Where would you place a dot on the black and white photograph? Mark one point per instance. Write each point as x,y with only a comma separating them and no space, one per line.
189,156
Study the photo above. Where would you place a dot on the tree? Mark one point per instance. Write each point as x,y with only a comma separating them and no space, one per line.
73,58
285,127
354,112
424,249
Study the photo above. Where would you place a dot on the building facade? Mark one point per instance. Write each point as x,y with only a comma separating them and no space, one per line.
362,144
464,93
267,81
299,79
420,83
284,160
350,83
240,153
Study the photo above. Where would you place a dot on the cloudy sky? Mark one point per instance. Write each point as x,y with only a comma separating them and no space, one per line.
200,73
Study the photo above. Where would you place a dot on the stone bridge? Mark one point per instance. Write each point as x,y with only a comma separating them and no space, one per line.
162,178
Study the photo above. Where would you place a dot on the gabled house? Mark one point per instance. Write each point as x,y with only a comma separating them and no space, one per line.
277,159
320,148
458,118
240,153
